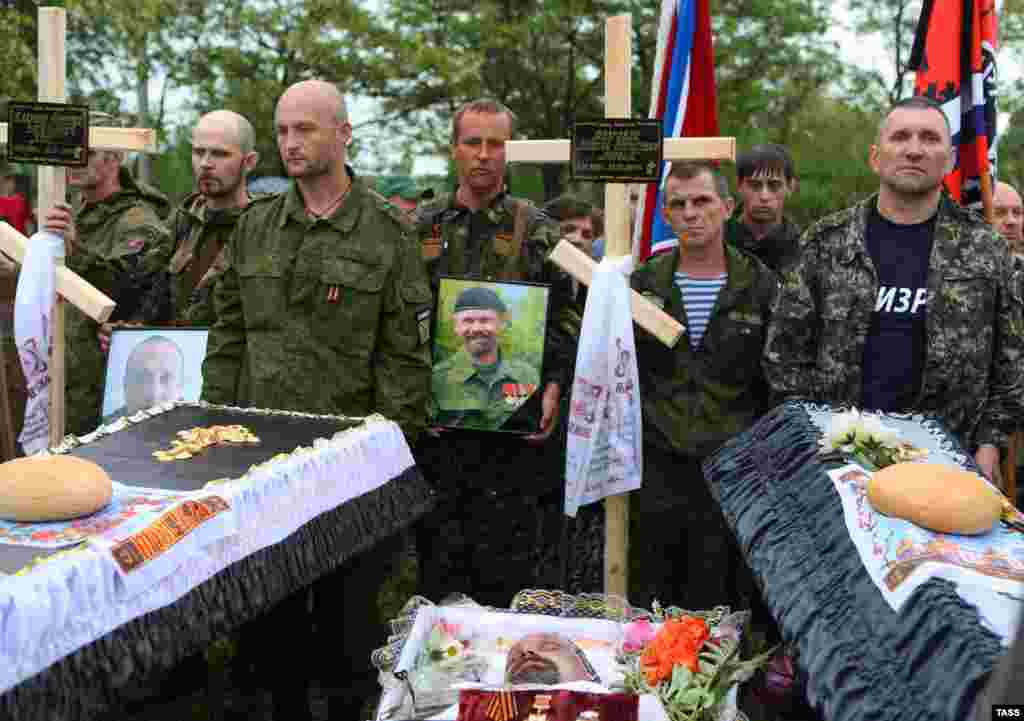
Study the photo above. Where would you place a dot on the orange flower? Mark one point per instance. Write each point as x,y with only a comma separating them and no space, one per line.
677,644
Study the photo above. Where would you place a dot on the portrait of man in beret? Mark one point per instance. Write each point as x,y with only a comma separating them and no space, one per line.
484,382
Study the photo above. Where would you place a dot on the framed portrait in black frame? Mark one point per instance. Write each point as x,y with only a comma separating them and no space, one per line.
147,366
488,354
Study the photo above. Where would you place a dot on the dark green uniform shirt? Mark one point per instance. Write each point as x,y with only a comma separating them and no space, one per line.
327,315
473,397
695,400
492,245
778,249
200,234
123,250
974,327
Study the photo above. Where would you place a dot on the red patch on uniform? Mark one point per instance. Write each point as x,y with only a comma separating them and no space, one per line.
136,243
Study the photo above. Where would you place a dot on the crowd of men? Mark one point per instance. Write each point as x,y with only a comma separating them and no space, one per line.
319,299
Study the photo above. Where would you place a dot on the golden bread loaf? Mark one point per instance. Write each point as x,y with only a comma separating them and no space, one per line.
52,488
937,497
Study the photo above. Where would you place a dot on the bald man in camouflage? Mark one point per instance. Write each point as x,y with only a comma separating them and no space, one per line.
223,155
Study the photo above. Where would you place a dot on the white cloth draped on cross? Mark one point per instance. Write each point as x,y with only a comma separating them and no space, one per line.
618,56
45,320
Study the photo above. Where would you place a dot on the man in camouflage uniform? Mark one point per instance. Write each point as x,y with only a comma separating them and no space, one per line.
116,239
764,179
481,385
1008,216
223,154
501,497
323,307
906,300
695,396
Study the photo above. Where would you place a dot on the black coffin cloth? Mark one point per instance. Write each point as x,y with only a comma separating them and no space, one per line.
862,660
127,455
102,676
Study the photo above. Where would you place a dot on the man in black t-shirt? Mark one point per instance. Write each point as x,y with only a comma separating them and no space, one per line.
906,301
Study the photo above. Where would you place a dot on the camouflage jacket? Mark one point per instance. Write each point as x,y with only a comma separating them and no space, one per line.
326,315
491,246
971,375
200,235
695,400
466,399
123,248
777,250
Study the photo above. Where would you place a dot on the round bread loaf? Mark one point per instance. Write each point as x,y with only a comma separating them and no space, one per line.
937,497
52,488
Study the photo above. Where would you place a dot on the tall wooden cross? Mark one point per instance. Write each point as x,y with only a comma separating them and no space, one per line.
52,189
617,83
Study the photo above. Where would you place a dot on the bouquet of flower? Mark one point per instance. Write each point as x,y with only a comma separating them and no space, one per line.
446,658
688,664
864,439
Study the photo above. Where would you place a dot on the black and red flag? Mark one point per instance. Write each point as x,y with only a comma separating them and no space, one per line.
955,58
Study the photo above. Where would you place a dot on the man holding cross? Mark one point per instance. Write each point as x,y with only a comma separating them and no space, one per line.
115,238
501,496
695,396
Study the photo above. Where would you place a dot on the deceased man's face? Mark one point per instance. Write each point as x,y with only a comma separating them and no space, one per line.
546,658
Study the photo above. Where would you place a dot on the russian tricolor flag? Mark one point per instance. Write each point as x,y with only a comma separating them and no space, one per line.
683,97
955,58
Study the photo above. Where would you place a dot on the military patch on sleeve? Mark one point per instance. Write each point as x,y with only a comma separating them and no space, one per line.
505,244
135,215
516,393
136,243
431,248
423,321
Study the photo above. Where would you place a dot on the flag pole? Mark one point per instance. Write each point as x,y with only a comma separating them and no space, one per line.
986,197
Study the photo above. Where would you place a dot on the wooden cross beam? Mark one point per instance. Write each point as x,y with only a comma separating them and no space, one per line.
617,81
618,49
140,140
52,81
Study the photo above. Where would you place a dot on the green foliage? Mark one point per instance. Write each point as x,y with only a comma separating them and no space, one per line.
895,21
523,337
172,171
1011,152
690,696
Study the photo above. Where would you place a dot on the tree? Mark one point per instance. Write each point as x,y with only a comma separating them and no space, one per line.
895,21
245,54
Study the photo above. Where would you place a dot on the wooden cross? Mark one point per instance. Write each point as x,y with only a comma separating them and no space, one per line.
52,189
617,82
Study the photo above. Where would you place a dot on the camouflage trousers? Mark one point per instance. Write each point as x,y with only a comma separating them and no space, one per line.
86,369
681,551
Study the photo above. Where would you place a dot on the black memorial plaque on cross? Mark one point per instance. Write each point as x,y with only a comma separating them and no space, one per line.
617,150
48,133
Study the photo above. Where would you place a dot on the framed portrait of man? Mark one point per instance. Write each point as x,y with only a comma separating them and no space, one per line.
488,355
148,366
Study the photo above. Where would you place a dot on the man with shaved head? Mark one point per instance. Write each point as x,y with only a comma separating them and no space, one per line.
323,307
223,154
1008,214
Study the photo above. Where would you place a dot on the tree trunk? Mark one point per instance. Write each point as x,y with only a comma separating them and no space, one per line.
144,167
